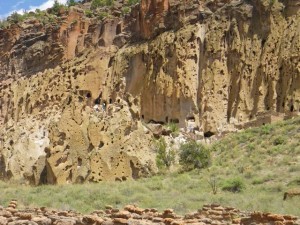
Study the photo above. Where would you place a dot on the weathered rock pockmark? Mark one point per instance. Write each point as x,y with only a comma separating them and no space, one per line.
77,95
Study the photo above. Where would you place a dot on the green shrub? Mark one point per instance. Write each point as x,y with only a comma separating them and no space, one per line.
251,147
126,10
71,3
173,127
266,129
279,140
257,181
213,184
102,15
164,158
133,2
275,150
233,185
101,3
4,24
15,17
194,156
88,13
56,7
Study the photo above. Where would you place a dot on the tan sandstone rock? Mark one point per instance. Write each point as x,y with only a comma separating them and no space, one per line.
77,94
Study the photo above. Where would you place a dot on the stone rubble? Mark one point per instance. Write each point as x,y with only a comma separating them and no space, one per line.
213,214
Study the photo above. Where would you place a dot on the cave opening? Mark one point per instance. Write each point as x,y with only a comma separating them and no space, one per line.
79,161
88,95
111,60
69,100
134,170
97,101
43,176
79,180
174,120
190,118
101,144
208,134
119,29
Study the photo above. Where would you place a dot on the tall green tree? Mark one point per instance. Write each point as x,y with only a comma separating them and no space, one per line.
56,7
71,3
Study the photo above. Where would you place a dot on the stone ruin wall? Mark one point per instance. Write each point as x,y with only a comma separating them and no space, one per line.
132,214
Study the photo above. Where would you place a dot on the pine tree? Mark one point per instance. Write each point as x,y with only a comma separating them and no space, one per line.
56,7
71,3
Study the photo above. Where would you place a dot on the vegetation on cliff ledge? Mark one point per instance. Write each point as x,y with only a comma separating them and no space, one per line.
58,9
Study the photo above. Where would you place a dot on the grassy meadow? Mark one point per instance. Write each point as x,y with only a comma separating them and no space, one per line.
263,162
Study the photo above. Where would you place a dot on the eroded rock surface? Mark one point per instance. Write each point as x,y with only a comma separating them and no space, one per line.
76,95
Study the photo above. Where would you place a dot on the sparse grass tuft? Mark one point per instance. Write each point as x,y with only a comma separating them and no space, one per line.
173,127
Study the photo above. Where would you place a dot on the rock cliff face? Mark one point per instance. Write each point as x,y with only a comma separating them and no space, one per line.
76,95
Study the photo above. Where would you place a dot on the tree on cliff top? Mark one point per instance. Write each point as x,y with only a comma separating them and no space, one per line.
56,7
71,3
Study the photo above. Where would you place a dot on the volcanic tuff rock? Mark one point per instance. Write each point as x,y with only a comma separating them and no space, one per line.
76,94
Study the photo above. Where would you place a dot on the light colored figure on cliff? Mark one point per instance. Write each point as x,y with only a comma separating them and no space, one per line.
103,106
96,107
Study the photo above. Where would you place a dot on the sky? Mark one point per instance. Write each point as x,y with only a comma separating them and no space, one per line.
9,6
